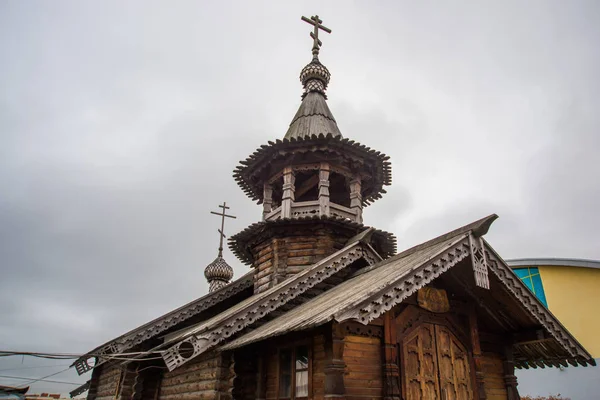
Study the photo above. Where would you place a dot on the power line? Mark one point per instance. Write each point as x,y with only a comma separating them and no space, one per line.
71,356
44,377
39,366
42,380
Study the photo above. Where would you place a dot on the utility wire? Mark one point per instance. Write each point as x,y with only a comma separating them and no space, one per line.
40,366
44,377
70,356
42,380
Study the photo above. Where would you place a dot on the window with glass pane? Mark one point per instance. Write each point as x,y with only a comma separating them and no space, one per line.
532,279
301,371
293,373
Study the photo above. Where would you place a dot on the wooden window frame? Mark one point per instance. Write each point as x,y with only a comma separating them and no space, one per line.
292,347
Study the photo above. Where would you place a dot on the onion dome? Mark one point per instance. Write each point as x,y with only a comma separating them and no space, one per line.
314,77
218,274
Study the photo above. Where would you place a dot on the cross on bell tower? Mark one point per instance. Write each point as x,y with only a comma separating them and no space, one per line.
219,273
316,22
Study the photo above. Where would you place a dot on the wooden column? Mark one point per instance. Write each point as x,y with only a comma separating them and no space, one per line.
356,198
287,199
334,364
477,357
324,189
261,377
510,380
267,199
391,371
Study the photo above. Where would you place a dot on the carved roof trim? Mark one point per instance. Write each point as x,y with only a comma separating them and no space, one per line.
237,242
161,324
210,333
411,272
367,291
266,153
535,308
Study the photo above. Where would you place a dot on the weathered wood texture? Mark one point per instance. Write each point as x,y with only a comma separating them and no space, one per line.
280,257
210,376
363,374
493,376
109,381
317,369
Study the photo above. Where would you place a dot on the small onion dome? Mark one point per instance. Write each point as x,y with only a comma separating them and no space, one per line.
315,77
218,274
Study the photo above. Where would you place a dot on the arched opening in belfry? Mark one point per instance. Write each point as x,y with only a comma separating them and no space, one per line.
307,186
277,195
339,191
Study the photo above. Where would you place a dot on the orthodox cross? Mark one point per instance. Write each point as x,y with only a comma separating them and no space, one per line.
316,22
221,234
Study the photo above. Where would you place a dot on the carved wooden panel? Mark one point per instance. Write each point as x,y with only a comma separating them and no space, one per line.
453,361
435,365
420,367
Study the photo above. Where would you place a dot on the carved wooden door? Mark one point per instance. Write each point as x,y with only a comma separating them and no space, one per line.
435,365
453,365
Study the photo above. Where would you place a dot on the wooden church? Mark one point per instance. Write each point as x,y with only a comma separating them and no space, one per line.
329,309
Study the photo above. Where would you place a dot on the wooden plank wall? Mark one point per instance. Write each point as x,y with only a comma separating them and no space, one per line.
108,383
206,377
493,376
363,358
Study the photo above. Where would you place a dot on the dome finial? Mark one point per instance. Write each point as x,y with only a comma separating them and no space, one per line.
218,273
315,76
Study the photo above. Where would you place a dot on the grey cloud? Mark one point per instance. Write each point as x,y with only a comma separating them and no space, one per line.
120,125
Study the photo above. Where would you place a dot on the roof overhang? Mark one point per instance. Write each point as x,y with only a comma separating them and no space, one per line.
559,262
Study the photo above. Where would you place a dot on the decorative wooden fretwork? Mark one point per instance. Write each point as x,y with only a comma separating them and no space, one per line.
480,268
154,328
198,343
355,328
537,309
407,285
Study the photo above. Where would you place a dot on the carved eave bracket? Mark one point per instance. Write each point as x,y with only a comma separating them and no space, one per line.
479,262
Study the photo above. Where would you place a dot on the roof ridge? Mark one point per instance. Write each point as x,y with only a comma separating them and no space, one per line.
481,226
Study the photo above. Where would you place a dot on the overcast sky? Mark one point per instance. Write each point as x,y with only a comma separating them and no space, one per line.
121,123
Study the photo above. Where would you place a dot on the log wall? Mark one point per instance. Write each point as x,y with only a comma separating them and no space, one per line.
493,376
363,359
109,381
318,367
284,255
209,376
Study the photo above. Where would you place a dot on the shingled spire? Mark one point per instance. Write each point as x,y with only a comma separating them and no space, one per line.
313,116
